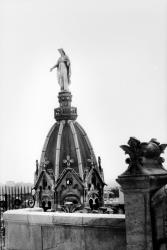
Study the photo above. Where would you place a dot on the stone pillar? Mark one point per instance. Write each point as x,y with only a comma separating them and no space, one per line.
145,175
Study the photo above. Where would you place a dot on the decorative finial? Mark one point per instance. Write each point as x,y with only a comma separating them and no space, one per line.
140,152
63,70
134,150
45,163
91,160
99,162
37,166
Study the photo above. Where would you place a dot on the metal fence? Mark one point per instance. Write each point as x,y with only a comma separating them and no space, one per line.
13,198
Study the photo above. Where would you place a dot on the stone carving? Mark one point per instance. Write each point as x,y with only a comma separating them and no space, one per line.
153,150
91,161
138,151
70,207
134,151
63,70
94,200
68,161
45,163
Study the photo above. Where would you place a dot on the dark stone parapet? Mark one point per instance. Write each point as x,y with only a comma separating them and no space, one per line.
65,111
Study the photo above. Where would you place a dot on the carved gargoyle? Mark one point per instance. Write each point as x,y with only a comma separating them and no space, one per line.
137,151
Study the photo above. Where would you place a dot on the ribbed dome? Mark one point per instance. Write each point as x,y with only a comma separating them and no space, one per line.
67,144
67,139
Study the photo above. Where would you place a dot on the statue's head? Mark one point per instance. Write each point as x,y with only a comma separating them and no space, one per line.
61,51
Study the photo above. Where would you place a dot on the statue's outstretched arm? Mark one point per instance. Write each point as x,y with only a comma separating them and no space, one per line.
55,66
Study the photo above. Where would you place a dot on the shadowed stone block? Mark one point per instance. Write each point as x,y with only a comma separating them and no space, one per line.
28,230
63,237
15,241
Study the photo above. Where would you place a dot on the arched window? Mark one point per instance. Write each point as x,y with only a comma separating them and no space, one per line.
49,204
43,205
44,183
94,180
91,204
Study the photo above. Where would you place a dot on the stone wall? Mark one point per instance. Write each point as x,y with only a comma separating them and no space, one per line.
30,229
141,180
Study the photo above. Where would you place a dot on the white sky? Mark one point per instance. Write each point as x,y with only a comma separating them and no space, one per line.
118,52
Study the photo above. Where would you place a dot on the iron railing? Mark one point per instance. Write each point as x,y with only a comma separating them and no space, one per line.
13,198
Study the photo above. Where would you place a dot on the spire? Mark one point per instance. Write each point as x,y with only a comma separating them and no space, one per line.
37,168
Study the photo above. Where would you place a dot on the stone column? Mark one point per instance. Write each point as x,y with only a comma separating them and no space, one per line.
145,175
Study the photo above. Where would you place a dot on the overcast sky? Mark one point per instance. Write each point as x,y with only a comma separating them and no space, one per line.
118,53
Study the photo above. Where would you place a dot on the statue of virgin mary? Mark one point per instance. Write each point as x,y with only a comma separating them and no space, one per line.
63,70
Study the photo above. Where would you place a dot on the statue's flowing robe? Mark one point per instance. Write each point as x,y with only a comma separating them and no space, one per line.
63,72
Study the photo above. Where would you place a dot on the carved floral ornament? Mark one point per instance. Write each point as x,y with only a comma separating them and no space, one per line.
45,163
68,161
137,151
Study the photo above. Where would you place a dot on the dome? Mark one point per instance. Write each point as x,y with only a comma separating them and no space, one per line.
67,144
